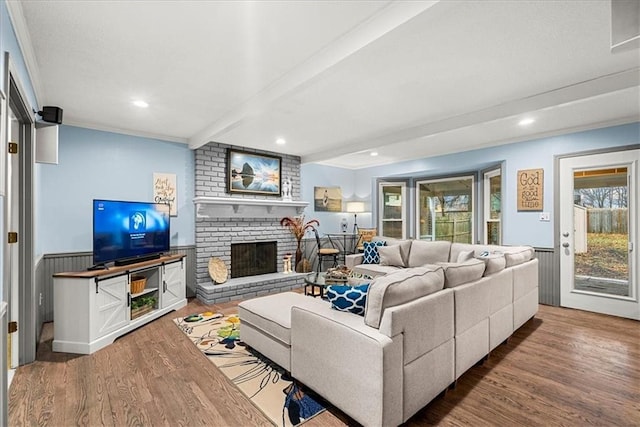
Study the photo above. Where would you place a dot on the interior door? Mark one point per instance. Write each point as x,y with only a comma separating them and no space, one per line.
598,233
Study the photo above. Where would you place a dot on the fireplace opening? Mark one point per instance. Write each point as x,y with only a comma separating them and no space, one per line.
250,259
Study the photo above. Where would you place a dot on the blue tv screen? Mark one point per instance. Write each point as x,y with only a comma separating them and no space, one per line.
129,230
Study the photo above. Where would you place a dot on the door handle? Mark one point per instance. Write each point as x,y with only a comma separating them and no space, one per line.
565,245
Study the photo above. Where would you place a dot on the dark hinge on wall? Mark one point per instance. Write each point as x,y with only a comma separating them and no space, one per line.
13,148
12,237
13,327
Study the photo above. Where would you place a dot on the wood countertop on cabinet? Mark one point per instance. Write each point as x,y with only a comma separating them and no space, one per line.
121,268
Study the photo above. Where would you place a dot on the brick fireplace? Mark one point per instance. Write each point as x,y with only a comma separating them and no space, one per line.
223,220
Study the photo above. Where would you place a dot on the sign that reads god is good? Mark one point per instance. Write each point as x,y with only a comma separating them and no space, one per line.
530,189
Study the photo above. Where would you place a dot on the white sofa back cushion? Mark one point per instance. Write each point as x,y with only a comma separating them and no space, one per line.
494,263
518,255
456,274
391,255
423,253
400,287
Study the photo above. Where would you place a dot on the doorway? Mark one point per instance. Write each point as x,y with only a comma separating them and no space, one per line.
598,233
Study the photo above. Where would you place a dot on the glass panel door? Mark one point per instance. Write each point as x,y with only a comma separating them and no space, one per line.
599,233
445,209
391,214
601,226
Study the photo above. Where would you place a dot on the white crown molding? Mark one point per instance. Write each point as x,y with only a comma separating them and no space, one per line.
387,19
130,132
24,42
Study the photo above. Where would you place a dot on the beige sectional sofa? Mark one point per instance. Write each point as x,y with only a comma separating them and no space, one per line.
439,310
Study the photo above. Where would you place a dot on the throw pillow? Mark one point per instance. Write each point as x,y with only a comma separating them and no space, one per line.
390,255
370,254
348,298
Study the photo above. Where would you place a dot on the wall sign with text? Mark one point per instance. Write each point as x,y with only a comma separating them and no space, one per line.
165,191
530,189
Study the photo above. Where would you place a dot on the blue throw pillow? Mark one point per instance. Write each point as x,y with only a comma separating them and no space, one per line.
370,253
348,298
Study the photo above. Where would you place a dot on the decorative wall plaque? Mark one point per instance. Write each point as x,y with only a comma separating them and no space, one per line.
530,189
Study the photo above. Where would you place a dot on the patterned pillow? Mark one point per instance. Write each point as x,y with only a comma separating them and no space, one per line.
371,255
348,298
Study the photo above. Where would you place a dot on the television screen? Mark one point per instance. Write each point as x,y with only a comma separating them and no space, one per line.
129,230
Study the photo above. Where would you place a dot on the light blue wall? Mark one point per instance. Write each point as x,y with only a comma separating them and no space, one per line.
9,43
518,227
315,175
104,165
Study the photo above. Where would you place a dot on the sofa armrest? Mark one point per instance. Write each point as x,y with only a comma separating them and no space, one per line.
353,366
353,260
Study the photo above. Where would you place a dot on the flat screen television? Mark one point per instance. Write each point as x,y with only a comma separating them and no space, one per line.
127,232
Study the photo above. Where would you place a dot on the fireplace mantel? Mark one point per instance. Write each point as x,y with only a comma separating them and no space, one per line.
232,207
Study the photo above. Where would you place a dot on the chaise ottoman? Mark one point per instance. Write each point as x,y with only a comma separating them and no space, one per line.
266,323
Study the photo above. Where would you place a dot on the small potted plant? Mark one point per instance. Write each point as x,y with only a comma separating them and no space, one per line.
298,228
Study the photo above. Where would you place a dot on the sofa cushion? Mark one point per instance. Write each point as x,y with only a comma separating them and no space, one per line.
375,270
494,262
456,274
399,287
423,253
371,255
465,256
518,255
348,298
390,255
271,314
405,249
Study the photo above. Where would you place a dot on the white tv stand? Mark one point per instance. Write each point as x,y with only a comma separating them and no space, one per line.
93,308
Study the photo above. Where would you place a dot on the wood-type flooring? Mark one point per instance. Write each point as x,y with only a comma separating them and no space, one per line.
563,367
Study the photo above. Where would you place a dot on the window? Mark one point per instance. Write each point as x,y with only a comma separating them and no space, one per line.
392,203
444,210
492,207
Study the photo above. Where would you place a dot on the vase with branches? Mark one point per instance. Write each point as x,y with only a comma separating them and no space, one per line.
298,227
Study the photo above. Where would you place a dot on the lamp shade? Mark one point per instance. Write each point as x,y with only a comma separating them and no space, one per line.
355,207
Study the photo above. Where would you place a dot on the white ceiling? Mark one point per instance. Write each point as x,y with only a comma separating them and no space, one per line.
336,79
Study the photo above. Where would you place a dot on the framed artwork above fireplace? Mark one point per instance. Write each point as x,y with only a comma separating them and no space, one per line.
253,173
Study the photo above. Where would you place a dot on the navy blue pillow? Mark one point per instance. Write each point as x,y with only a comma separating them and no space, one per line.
348,298
370,253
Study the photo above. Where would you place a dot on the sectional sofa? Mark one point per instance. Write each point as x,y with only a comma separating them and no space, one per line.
433,310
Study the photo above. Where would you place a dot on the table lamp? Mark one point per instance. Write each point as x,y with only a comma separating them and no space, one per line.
355,208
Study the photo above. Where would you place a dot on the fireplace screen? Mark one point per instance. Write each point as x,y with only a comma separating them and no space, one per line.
250,259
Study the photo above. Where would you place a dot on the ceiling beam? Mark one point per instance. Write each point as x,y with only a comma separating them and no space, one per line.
387,19
561,96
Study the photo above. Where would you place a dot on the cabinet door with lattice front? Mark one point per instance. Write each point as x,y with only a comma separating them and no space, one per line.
111,308
173,283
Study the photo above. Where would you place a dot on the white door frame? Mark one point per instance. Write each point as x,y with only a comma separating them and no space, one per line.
27,300
569,297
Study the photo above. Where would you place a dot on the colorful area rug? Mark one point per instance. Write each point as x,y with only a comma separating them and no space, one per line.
266,384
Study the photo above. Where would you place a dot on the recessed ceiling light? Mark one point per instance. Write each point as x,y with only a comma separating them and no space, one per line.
140,103
281,141
526,122
373,153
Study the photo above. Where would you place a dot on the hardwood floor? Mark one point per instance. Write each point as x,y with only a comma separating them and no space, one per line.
564,367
